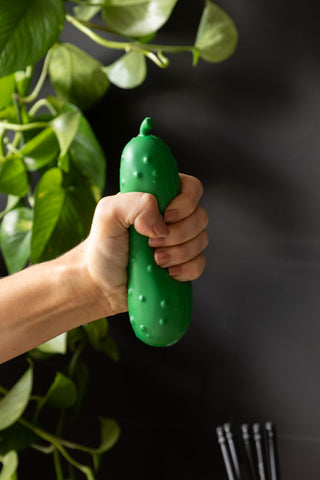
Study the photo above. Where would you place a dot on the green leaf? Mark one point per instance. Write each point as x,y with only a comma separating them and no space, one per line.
76,76
97,334
62,219
110,432
127,72
55,345
87,12
13,176
74,221
137,18
6,90
41,149
88,157
75,337
95,331
13,404
62,392
23,80
27,30
10,465
15,238
196,56
12,202
49,200
65,127
59,104
122,3
109,347
217,35
9,114
147,38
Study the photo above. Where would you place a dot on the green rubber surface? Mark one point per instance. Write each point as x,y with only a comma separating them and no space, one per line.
160,307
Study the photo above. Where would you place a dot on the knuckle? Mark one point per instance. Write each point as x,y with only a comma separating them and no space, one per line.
198,186
148,201
190,204
103,207
202,212
203,261
205,239
192,270
193,186
199,266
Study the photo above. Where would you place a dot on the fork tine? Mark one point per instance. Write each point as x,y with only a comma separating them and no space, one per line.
248,449
272,451
225,453
259,450
233,451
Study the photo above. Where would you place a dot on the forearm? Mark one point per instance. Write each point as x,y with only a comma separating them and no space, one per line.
45,300
90,281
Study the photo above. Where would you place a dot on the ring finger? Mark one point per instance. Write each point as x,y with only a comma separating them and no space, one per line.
176,255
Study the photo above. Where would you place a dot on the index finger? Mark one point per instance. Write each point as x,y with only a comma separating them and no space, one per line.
185,203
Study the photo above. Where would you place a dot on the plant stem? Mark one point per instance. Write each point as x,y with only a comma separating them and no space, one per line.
96,38
36,398
60,422
156,59
19,138
83,26
88,4
71,472
57,465
170,48
33,95
24,127
53,439
74,359
46,450
95,26
43,102
58,443
2,150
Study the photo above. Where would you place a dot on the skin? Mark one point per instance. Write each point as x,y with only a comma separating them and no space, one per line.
90,281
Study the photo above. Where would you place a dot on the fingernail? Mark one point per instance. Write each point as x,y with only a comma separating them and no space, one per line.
171,215
160,229
162,258
156,242
175,271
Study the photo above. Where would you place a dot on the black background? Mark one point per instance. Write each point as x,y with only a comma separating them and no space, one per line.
248,128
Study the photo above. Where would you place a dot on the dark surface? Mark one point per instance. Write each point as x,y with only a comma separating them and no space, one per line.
249,129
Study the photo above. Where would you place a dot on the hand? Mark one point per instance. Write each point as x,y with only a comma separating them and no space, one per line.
178,242
180,251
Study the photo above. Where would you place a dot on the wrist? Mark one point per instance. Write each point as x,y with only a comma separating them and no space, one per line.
85,295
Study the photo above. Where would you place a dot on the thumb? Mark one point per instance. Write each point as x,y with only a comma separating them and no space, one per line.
114,215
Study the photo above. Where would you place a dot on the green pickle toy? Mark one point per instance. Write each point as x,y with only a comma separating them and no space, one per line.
159,307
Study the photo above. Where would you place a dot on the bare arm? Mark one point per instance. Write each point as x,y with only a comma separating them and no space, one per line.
89,282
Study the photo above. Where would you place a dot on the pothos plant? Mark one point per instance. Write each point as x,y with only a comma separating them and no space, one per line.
52,174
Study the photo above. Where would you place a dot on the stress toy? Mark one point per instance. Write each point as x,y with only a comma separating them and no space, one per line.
159,307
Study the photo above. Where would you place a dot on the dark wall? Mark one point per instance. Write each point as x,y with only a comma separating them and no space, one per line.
249,129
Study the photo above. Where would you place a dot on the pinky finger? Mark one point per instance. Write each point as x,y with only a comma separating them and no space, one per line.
188,271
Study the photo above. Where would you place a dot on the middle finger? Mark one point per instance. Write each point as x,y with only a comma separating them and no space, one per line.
183,231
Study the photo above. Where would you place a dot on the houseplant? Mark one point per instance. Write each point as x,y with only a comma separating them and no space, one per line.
52,172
